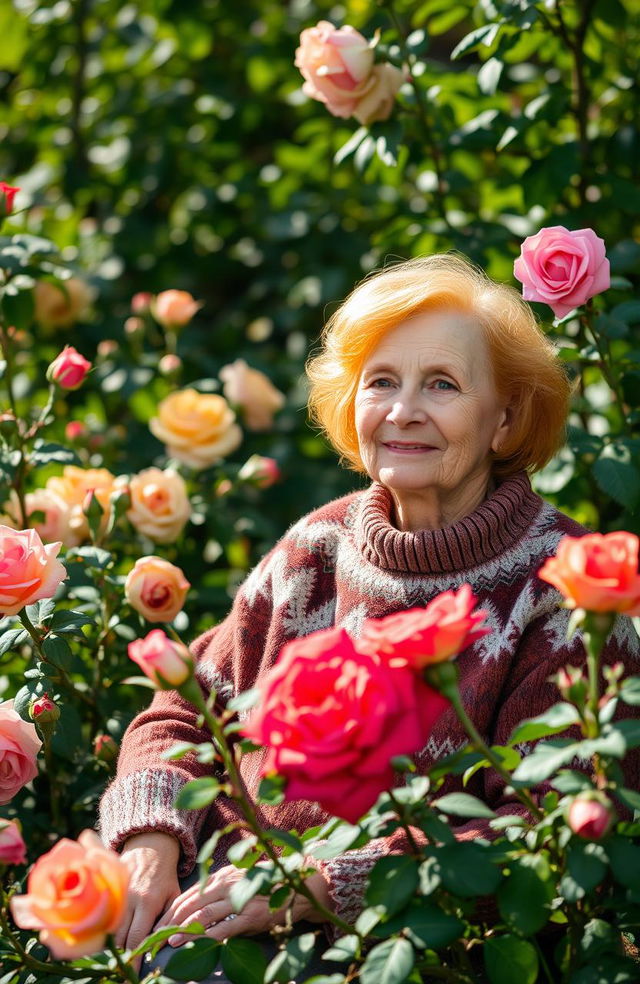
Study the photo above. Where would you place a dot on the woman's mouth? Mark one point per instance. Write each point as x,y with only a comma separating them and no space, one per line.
403,448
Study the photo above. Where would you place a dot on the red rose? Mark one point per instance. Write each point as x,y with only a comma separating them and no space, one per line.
7,194
333,718
598,572
422,636
68,369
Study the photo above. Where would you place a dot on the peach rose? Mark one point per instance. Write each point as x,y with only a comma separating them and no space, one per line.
29,569
13,849
156,589
76,896
162,659
562,268
47,513
160,505
197,428
174,308
337,65
60,306
72,487
597,572
253,392
19,747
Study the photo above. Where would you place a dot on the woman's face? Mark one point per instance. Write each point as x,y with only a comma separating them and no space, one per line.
428,416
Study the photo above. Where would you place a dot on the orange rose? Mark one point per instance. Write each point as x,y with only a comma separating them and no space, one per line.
597,572
197,428
72,487
29,570
156,589
76,896
174,308
253,392
160,505
59,306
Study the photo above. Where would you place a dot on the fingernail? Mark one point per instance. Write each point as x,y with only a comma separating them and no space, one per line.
175,940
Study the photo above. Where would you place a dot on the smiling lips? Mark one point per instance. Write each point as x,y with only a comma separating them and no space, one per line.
401,447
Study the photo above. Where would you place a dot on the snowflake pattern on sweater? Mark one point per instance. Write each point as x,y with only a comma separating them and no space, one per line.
339,565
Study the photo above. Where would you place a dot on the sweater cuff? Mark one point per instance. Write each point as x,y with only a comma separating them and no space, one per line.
347,877
142,802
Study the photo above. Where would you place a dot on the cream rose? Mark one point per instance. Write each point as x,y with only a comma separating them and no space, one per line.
253,392
156,589
197,428
29,569
61,306
174,308
160,505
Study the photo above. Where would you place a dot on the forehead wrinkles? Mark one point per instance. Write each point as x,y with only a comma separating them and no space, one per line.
469,360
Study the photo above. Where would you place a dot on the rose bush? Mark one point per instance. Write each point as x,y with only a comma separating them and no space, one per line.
29,569
338,67
562,267
598,572
76,896
19,748
333,717
156,589
197,428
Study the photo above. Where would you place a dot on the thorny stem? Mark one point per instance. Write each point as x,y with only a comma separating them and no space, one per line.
126,969
415,847
5,344
604,351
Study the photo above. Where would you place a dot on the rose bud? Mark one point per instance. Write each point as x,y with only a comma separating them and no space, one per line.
141,302
591,815
156,589
107,347
7,194
260,471
572,684
68,369
167,663
170,364
105,748
75,430
133,327
43,710
12,847
174,308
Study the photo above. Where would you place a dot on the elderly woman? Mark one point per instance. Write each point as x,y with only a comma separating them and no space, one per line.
437,384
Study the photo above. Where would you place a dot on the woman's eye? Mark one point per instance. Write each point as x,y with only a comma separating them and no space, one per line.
381,383
443,384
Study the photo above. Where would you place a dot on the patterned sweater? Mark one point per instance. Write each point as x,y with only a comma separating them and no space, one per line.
339,565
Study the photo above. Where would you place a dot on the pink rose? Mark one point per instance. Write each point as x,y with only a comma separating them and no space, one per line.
75,430
591,815
597,572
76,896
562,268
68,369
173,308
337,65
332,719
156,589
29,569
260,471
19,747
7,194
105,748
422,636
162,659
13,849
253,392
141,302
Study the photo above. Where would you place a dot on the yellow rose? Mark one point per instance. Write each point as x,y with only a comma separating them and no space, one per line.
72,487
61,306
156,589
197,428
253,392
160,505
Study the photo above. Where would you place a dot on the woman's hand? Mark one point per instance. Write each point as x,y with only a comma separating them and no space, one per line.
152,860
212,907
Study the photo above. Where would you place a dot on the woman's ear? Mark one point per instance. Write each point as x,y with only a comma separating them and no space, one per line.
503,429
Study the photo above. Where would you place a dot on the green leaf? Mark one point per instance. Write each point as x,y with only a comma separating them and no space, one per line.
463,805
617,476
392,882
489,76
624,858
18,308
344,838
351,145
630,798
244,701
271,790
290,962
558,718
343,950
390,962
481,35
57,650
12,638
194,960
543,761
630,691
14,38
257,880
197,793
508,959
425,924
44,453
467,869
243,961
586,868
67,621
524,896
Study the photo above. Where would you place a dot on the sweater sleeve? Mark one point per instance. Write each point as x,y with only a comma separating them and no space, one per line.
527,692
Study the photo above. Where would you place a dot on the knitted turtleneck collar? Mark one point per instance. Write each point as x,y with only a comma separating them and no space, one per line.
494,526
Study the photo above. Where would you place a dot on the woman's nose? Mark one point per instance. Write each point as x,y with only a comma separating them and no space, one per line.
406,410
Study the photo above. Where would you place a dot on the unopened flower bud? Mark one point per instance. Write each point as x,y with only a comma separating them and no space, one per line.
572,684
7,194
260,471
43,710
105,748
69,369
591,815
170,364
141,302
133,327
75,430
107,347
